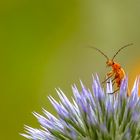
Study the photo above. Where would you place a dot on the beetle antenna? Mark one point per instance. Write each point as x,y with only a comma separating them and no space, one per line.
99,51
121,49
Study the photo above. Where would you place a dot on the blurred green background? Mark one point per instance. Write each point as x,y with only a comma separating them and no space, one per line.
43,45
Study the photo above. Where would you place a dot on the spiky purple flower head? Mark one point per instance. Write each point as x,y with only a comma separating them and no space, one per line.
92,115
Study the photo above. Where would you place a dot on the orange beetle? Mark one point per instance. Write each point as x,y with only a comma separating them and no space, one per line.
117,71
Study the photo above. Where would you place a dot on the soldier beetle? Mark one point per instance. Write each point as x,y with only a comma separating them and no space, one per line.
117,71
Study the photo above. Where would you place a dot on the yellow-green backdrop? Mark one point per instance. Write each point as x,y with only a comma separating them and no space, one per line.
44,45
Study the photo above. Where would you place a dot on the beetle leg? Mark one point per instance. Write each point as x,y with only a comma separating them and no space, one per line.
107,79
110,74
128,92
114,91
113,83
113,79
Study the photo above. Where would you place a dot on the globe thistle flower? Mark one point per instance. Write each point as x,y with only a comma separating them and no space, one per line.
91,115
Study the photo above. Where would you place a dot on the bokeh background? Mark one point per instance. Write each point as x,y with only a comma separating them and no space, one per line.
43,45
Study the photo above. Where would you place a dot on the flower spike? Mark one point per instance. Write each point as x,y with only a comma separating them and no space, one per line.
91,115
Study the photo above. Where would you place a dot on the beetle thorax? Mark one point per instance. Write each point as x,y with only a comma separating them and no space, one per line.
115,66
